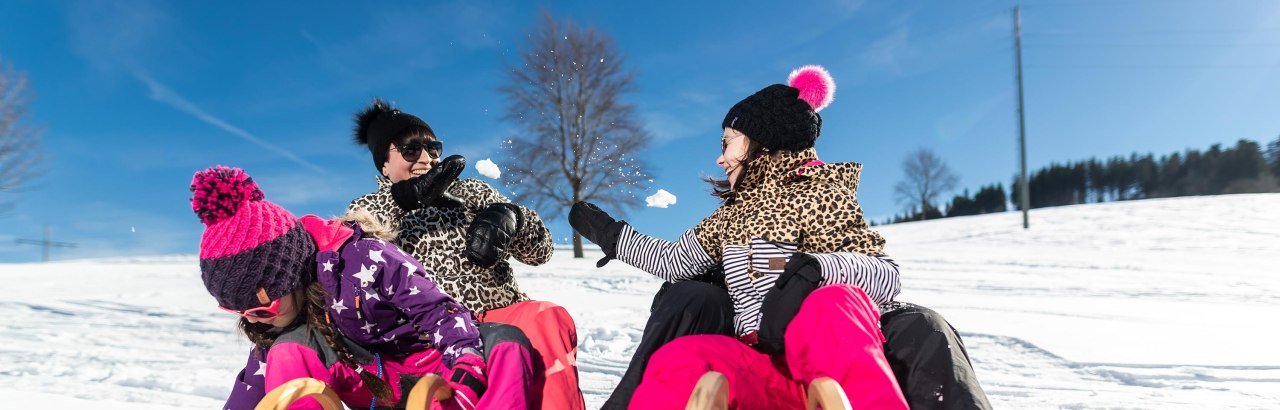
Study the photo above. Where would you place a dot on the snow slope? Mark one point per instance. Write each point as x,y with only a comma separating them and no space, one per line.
1144,304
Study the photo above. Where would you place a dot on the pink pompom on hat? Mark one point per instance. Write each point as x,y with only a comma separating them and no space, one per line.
785,116
252,251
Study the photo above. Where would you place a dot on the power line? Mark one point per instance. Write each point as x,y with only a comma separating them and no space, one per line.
47,242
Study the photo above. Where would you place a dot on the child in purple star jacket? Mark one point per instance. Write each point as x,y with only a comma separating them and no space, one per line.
325,299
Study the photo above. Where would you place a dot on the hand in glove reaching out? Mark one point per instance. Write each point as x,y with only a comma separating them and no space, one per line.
598,227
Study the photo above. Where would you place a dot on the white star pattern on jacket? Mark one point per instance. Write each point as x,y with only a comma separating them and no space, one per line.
371,296
413,291
412,269
366,274
262,369
328,266
391,289
367,326
461,323
338,306
376,256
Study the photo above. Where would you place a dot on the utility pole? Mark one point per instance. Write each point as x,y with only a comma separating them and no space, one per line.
1023,186
47,242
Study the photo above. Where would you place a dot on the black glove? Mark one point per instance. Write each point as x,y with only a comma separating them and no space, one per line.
799,278
598,227
430,189
491,231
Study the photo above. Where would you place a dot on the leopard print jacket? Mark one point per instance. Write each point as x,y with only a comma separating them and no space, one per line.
437,238
782,200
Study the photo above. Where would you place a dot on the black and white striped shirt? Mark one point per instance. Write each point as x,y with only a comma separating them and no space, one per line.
751,270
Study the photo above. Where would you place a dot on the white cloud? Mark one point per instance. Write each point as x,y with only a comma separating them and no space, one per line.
487,168
163,94
662,199
889,51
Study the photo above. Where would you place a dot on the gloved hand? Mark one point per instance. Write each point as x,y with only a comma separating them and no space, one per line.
491,231
430,189
467,379
598,227
799,278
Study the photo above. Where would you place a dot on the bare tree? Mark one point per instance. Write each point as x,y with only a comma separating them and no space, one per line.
18,139
926,178
576,139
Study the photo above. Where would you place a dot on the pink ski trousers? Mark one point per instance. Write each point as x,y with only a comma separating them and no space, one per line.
836,334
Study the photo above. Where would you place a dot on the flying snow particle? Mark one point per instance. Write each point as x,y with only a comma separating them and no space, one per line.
662,199
487,168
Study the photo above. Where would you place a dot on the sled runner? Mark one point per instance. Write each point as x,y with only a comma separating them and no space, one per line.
281,397
712,393
429,388
825,393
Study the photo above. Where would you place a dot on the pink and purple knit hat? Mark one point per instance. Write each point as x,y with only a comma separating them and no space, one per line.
250,247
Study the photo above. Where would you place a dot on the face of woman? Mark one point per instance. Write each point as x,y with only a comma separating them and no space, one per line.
421,159
733,150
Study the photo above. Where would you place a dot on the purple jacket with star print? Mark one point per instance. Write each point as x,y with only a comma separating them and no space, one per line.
380,297
401,314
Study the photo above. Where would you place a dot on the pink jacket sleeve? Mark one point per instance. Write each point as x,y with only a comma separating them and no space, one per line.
288,361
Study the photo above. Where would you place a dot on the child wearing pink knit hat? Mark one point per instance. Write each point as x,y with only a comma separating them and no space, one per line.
326,300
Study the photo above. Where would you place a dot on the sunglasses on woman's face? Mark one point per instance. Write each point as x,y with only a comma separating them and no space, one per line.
411,151
262,312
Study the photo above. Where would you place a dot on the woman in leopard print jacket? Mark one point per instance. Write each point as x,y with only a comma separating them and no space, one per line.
463,232
805,273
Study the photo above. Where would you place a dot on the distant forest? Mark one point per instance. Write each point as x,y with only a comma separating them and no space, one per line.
1247,167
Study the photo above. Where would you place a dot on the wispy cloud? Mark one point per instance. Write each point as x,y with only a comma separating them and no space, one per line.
888,52
959,123
162,93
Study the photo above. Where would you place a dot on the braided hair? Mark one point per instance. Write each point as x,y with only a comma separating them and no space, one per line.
313,312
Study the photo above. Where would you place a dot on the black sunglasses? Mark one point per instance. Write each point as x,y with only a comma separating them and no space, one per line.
411,151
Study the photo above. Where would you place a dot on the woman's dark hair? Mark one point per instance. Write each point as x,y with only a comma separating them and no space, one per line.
412,132
312,310
721,188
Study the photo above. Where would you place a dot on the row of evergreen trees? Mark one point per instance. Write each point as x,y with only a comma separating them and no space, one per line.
1246,167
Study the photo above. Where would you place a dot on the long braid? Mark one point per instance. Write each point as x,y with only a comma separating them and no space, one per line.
316,297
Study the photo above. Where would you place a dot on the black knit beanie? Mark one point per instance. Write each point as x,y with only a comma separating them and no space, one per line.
785,117
378,125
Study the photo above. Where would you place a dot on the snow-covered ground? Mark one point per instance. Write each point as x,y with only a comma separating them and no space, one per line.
1144,304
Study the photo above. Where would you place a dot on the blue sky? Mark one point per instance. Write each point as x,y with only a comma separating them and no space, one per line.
136,96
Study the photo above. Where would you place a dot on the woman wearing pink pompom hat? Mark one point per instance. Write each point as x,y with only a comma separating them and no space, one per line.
804,271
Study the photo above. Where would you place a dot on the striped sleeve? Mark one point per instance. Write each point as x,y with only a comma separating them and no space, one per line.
876,275
672,261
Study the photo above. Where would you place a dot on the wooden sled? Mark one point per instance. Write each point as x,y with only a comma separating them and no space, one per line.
826,394
429,388
281,397
711,393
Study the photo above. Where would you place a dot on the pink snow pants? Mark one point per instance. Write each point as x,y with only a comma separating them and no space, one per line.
509,375
836,334
554,337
